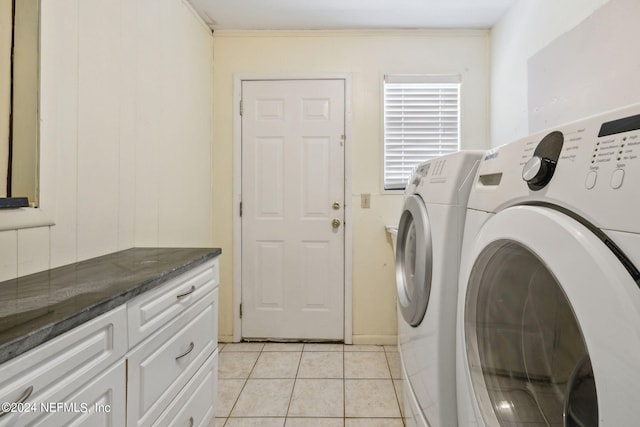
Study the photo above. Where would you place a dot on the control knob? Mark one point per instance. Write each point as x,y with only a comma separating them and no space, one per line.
537,172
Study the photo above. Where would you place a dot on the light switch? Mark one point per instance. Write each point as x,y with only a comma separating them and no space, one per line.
365,201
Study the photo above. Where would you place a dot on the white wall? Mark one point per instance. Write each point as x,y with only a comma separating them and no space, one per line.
366,56
126,127
592,68
527,28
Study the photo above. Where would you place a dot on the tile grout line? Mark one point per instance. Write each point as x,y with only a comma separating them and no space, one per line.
246,380
295,381
344,389
393,384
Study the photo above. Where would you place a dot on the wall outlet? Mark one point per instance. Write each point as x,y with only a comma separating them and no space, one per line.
365,201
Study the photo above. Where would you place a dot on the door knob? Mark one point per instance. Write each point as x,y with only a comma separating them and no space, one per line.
335,223
336,205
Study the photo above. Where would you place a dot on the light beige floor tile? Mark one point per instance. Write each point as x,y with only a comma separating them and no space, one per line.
373,422
321,364
221,346
370,398
218,422
323,347
277,346
394,365
236,364
317,398
255,422
314,422
243,346
363,347
391,348
366,365
264,398
228,392
280,364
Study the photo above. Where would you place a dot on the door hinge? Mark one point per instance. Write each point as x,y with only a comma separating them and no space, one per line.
241,110
241,310
240,208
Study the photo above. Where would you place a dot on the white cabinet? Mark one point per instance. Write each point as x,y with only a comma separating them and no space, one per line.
100,403
51,374
152,361
173,337
163,364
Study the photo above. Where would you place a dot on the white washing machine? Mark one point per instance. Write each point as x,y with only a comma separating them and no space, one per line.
427,260
549,298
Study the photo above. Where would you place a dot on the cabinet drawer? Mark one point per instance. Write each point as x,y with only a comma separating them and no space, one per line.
194,406
49,372
161,366
148,312
101,402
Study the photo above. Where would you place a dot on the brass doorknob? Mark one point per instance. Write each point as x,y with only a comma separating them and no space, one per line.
335,223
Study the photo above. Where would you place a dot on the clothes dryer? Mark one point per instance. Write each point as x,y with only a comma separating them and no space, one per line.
427,260
549,299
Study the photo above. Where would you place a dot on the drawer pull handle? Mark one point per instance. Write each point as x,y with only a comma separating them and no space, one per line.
190,421
189,292
21,399
186,352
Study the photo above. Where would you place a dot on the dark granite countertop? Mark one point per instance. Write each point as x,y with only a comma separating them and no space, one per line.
41,306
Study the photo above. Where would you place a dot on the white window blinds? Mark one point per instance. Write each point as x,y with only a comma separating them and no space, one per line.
421,122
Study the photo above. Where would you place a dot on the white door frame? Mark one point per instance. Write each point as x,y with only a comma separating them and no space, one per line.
238,78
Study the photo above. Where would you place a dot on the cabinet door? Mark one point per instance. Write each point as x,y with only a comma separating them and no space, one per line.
195,404
101,402
51,372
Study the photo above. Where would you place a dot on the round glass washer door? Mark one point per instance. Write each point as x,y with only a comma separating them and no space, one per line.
551,324
413,260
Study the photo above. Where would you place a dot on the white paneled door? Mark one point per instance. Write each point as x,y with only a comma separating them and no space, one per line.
293,209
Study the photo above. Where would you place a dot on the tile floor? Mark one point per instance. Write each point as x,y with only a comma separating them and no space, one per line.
308,385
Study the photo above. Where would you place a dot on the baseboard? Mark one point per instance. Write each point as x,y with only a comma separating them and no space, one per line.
376,339
225,338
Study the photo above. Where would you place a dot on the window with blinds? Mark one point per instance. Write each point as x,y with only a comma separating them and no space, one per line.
421,122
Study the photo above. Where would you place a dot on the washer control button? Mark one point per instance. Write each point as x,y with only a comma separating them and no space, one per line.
617,178
591,180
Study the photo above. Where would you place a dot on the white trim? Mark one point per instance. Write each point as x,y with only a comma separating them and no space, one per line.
198,15
403,33
43,215
18,219
238,78
348,212
422,78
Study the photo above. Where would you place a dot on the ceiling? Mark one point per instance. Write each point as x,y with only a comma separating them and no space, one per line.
349,14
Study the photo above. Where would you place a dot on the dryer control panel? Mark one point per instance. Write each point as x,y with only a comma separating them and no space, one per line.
442,180
591,167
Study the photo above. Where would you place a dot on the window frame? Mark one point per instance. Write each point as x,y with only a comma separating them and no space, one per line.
429,79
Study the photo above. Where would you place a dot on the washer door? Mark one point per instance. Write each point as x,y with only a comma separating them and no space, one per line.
551,323
413,260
